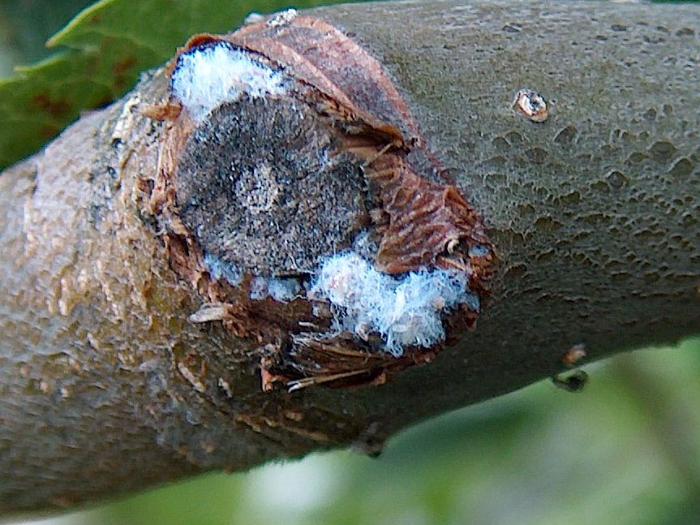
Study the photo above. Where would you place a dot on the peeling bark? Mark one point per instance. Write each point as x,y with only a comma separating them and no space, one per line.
108,383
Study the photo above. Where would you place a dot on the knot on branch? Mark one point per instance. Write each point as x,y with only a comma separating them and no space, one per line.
298,195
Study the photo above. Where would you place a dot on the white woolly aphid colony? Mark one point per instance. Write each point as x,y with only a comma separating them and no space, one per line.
404,310
207,77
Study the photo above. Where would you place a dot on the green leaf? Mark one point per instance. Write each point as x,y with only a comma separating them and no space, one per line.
36,105
105,48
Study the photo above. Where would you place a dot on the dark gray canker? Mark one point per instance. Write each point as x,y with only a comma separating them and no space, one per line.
262,186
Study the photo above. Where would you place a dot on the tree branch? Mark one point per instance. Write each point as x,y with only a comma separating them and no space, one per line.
108,387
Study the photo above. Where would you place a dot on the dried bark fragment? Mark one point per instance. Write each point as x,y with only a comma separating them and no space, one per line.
531,105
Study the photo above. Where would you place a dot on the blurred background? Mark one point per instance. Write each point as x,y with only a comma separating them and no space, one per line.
624,451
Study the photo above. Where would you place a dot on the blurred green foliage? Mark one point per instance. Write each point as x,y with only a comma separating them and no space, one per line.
26,25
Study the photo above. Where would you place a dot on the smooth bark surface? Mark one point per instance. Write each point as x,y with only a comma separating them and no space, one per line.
106,385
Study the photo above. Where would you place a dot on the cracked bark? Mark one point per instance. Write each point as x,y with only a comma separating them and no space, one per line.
106,385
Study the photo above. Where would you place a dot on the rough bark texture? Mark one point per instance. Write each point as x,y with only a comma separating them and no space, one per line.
106,385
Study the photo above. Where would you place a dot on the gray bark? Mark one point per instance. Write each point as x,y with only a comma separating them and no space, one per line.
594,214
